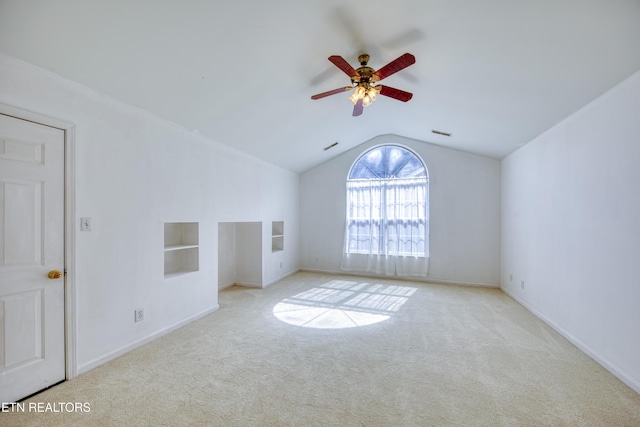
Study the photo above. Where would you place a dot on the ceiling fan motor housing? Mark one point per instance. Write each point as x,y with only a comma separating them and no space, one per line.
365,74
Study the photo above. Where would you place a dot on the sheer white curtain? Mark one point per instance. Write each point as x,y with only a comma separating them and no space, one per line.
387,227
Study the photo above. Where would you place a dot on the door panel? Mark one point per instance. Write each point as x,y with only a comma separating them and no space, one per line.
21,218
31,244
22,316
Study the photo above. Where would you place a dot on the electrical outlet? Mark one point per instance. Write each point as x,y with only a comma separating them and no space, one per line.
139,315
511,277
522,284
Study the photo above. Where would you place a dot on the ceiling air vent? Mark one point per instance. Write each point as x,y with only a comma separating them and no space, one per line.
328,147
440,132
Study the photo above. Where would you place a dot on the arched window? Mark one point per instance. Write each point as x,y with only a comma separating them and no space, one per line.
387,218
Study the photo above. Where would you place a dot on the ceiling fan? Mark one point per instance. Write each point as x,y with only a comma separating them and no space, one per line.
364,78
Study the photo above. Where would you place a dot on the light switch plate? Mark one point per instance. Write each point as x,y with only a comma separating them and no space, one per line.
85,224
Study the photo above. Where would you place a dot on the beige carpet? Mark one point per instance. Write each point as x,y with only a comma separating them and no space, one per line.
345,351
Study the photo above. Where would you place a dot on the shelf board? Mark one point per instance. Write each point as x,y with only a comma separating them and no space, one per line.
178,247
171,274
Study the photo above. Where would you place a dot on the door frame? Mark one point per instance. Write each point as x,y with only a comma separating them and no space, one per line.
70,303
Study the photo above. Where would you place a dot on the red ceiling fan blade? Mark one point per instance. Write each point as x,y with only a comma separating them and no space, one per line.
394,93
396,65
332,92
357,109
341,63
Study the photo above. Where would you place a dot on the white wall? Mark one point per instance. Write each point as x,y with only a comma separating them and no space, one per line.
571,228
133,173
226,254
249,254
464,193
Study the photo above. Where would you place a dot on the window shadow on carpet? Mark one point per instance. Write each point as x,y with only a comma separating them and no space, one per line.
342,304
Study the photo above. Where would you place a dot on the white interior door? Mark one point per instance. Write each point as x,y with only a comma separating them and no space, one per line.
32,349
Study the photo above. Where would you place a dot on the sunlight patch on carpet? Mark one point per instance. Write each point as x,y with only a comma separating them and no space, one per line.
342,304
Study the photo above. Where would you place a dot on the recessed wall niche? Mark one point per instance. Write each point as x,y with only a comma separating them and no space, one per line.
181,248
277,236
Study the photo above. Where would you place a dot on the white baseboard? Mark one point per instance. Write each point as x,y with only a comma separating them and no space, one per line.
265,284
279,278
607,364
228,285
127,348
408,279
461,283
249,285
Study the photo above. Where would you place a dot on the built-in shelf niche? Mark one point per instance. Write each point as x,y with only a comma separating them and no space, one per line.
181,248
277,236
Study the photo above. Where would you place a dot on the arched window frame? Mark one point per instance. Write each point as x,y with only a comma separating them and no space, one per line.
387,213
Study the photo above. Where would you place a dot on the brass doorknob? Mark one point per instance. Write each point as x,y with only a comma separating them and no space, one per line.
55,274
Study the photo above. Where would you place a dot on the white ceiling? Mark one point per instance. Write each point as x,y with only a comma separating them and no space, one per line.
494,73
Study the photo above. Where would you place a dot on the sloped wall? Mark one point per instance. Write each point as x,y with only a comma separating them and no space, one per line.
134,172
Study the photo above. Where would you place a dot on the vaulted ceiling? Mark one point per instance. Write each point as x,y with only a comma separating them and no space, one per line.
493,73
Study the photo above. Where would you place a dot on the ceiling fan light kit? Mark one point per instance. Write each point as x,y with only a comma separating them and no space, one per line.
364,78
366,93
